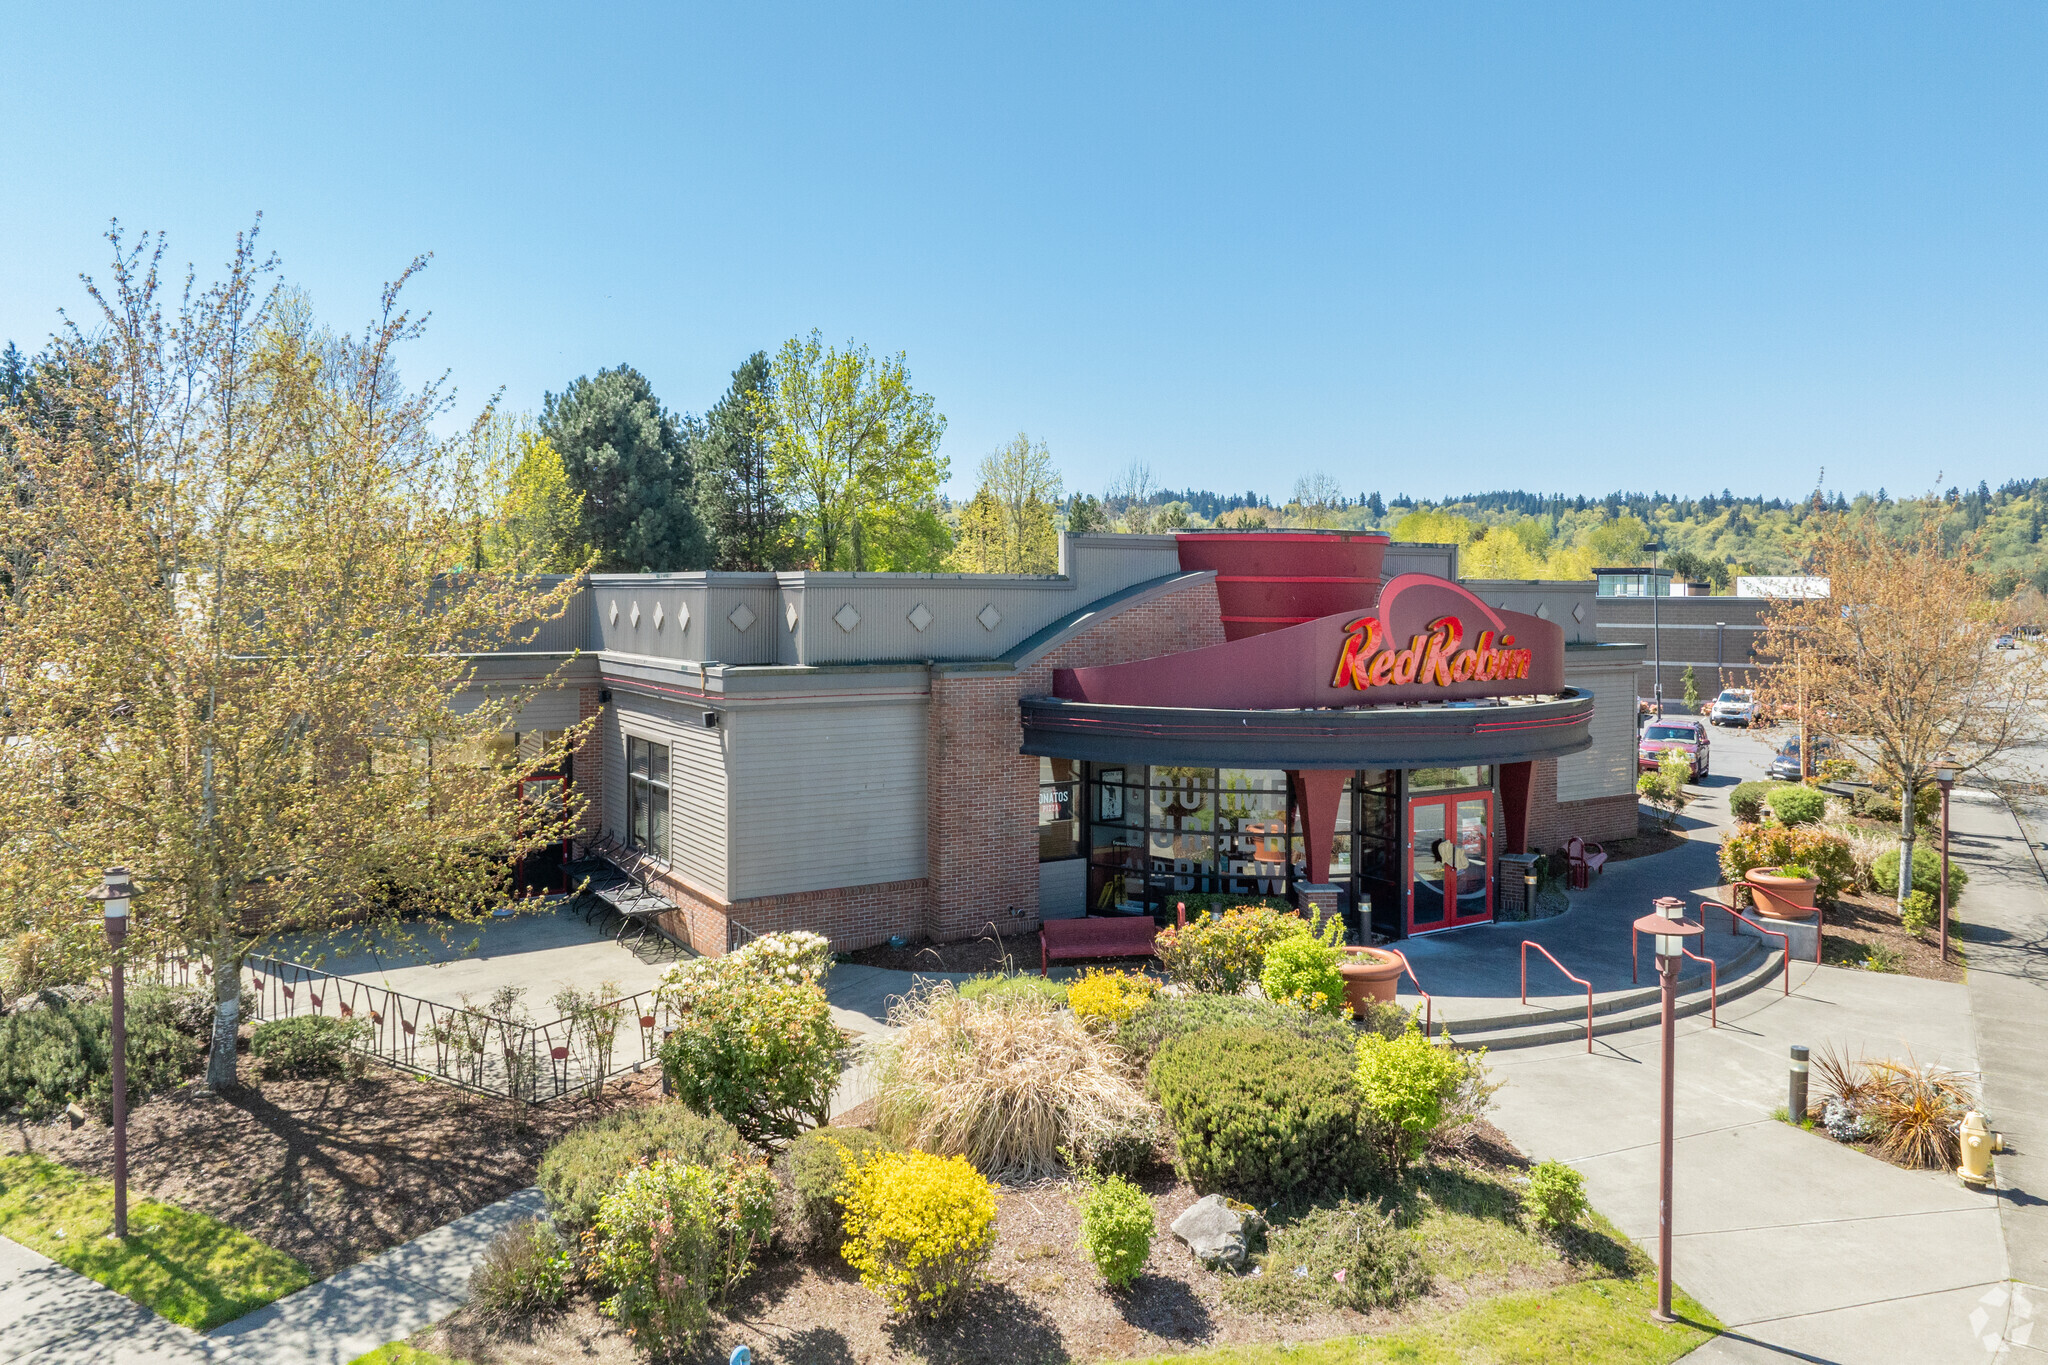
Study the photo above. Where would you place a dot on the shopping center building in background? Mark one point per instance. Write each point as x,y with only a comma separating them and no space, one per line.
1316,716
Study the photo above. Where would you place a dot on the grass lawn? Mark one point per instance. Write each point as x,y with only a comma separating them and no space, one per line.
398,1353
1593,1322
190,1268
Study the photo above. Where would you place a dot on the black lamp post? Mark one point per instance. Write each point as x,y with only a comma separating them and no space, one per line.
113,895
1671,929
1945,778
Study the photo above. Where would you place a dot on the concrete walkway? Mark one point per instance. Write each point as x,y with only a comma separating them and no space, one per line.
53,1316
1806,1249
2005,931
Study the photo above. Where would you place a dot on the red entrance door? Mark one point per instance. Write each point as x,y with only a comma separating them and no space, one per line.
1450,861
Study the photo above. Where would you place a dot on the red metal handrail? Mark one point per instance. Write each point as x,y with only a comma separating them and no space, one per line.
1428,1001
1527,944
1783,938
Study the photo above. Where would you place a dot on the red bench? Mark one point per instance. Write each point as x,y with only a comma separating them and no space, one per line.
1095,936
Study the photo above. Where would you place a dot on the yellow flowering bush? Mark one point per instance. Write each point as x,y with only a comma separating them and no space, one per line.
1222,954
919,1228
1103,999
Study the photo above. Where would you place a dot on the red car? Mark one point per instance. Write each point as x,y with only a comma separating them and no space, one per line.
1687,736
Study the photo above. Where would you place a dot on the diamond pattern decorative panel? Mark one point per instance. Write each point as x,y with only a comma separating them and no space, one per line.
989,617
634,615
659,616
920,617
846,617
789,614
742,616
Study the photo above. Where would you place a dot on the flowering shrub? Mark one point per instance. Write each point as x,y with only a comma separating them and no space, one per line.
760,1052
1222,954
672,1238
1102,998
1555,1196
1116,1229
1407,1084
798,955
1747,847
1302,971
919,1229
815,1174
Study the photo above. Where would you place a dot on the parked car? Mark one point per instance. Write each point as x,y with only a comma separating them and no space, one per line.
2005,642
1785,763
1687,736
1736,706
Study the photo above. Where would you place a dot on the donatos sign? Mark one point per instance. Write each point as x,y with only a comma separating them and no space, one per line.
1427,639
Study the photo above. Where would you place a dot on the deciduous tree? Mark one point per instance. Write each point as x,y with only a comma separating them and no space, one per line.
1010,527
239,667
855,451
1897,664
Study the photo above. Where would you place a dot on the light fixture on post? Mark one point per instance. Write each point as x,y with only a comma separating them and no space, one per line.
1945,778
1671,929
1656,635
113,894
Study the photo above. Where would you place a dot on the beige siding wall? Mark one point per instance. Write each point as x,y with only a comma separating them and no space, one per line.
1608,768
697,803
827,795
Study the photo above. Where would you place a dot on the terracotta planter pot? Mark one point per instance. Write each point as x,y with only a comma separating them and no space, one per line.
1781,897
1369,974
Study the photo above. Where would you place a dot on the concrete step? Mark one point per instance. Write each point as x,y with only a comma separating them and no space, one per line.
1751,970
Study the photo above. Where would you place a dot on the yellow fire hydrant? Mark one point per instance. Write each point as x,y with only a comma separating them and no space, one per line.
1979,1142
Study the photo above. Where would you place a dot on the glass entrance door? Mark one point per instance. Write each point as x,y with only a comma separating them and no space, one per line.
1450,862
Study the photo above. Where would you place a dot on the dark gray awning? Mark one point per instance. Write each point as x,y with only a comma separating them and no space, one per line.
1357,737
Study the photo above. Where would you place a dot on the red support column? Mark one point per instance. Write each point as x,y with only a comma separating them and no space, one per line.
1515,781
1317,793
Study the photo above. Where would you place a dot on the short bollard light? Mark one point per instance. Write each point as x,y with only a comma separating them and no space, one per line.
1795,1104
1978,1143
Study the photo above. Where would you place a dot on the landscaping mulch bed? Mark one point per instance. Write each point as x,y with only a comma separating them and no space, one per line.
329,1171
1042,1302
1862,920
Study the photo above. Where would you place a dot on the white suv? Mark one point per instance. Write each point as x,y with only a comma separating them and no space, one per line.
1733,707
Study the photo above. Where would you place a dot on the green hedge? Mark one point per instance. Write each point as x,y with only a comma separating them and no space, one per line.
583,1165
59,1050
1884,874
1747,800
1796,805
1165,1018
1264,1114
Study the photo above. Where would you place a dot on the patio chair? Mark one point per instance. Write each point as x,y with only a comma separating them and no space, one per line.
1585,860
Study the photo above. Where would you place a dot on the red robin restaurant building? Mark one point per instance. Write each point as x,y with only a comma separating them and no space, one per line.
1325,717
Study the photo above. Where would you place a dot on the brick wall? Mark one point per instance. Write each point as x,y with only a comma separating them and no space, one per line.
982,803
1551,821
589,765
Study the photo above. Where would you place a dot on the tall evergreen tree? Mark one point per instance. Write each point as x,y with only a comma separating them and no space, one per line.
744,517
630,459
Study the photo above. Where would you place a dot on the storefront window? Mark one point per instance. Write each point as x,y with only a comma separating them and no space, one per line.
647,795
1450,779
1059,820
1156,834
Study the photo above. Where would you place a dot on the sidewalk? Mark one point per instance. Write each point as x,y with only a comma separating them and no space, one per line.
53,1316
2005,929
1805,1249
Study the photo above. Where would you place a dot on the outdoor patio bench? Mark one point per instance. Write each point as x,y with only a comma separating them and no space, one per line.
1094,936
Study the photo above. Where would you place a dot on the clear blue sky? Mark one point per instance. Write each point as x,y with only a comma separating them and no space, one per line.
1428,248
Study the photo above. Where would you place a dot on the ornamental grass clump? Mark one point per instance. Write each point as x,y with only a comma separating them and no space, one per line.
762,1053
919,1229
1917,1111
1006,1082
1105,1000
1409,1085
1223,953
1117,1227
672,1238
1263,1115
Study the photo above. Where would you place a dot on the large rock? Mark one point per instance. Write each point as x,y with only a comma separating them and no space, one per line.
1218,1235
